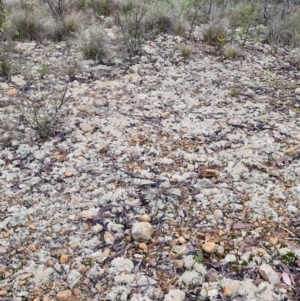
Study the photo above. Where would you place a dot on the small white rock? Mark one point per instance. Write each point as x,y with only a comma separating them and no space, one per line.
141,231
175,295
268,274
180,249
218,214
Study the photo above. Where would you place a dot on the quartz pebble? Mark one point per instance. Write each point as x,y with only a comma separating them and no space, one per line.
210,247
141,231
268,274
64,295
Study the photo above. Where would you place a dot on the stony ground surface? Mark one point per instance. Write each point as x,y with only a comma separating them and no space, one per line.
168,178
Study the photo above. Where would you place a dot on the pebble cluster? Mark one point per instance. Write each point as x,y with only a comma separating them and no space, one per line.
160,182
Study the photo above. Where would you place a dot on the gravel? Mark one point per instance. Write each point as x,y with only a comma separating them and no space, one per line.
158,184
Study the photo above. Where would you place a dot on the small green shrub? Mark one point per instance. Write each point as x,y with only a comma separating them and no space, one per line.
244,16
159,22
44,69
235,92
3,18
102,7
41,115
288,258
130,16
160,19
284,30
199,257
5,66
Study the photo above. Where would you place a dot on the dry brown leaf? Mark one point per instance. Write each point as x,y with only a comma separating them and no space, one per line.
240,225
209,173
286,278
292,151
60,157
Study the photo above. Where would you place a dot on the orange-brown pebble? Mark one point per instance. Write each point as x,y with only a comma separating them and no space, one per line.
32,227
145,218
5,235
77,291
68,174
143,247
209,247
12,92
64,258
50,263
32,248
227,291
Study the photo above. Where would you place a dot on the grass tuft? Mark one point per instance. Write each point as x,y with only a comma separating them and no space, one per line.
92,44
27,25
5,66
69,27
232,52
214,33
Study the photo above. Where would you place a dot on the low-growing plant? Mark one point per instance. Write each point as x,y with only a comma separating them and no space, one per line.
235,92
244,16
69,27
130,16
199,257
215,33
58,9
92,44
5,66
8,130
185,50
193,13
26,25
41,115
73,68
44,69
283,29
180,28
101,7
288,258
232,52
66,23
159,21
3,18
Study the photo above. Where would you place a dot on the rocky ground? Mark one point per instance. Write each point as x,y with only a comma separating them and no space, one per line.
168,178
